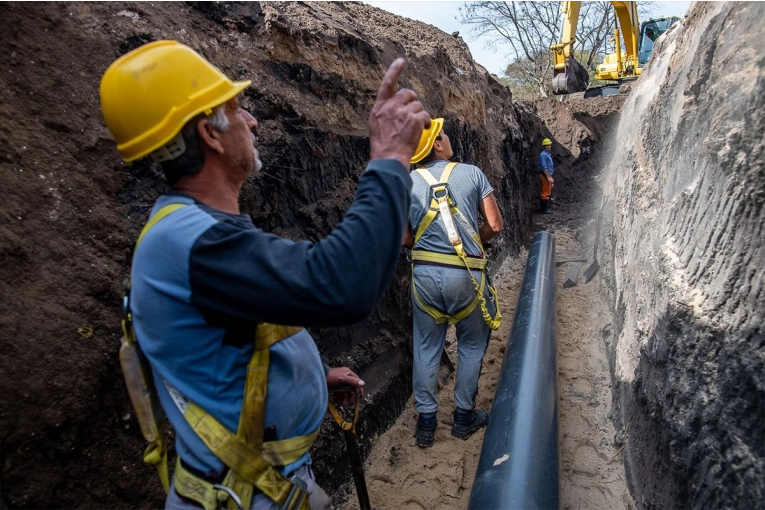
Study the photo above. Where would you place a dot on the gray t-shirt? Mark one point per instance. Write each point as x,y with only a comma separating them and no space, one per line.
468,186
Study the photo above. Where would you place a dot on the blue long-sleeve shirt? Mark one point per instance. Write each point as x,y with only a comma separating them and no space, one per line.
545,162
203,279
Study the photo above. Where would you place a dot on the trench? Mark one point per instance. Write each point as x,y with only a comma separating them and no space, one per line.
661,356
401,475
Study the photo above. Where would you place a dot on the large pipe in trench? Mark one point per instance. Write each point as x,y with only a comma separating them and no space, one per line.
519,464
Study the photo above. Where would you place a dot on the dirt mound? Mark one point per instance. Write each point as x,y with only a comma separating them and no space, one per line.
684,238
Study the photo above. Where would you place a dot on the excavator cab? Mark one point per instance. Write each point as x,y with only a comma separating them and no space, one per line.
649,32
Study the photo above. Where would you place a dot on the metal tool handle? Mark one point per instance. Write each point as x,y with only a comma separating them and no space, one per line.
354,453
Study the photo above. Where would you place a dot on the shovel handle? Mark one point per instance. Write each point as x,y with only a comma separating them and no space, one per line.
354,454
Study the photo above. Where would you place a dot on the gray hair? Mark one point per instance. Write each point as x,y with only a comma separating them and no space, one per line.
184,154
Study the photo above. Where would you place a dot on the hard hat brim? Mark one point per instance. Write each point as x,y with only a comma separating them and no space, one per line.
150,93
427,139
162,133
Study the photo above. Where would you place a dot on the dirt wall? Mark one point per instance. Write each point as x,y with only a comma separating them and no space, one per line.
684,237
71,209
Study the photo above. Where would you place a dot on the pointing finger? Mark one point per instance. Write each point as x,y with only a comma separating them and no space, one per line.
390,81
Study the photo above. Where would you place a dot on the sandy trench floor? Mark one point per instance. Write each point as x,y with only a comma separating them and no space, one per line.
400,475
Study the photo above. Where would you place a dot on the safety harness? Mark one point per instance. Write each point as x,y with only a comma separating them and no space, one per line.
444,205
252,462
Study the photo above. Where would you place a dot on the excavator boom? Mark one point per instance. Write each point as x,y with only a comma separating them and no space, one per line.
570,77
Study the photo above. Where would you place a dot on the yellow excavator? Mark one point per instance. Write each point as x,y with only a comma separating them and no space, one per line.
569,76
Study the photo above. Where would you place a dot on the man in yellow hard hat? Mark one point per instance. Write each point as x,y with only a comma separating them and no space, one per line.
546,179
210,292
450,284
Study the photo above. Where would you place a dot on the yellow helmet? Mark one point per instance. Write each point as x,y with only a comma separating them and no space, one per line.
149,94
427,139
546,141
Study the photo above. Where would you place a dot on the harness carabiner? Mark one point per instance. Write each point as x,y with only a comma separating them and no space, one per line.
442,188
231,494
297,494
126,298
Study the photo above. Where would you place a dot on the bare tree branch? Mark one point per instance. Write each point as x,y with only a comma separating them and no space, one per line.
528,29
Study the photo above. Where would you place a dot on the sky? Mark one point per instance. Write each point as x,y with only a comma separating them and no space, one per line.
444,15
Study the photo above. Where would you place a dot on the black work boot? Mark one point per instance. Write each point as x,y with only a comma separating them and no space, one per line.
426,429
547,209
467,422
542,206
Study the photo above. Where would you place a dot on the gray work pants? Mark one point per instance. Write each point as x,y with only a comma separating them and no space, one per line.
449,290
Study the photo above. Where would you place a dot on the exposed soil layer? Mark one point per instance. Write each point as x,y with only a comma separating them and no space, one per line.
71,209
581,131
684,238
681,245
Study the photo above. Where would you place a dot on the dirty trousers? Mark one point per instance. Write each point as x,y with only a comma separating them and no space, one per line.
545,193
448,290
318,498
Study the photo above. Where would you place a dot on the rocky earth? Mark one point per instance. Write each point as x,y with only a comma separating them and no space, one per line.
683,236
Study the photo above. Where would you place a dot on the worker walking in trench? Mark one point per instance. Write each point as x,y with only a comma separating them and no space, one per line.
546,179
450,284
218,306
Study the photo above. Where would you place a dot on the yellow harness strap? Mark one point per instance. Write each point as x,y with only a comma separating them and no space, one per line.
434,209
147,409
345,425
449,260
156,452
438,206
156,219
251,462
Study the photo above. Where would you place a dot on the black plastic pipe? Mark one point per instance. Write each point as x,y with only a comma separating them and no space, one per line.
519,464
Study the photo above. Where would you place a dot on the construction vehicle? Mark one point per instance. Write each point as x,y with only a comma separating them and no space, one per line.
569,76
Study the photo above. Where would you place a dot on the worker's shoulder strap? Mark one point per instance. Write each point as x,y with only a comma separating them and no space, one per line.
432,212
159,216
138,375
425,174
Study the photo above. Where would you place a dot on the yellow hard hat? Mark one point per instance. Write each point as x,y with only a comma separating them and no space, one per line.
427,140
149,94
546,141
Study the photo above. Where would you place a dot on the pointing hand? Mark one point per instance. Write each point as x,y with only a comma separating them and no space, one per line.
397,119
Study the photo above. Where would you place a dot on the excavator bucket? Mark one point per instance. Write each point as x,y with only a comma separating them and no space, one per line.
573,78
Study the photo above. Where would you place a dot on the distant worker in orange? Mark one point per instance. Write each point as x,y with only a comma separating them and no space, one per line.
546,176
